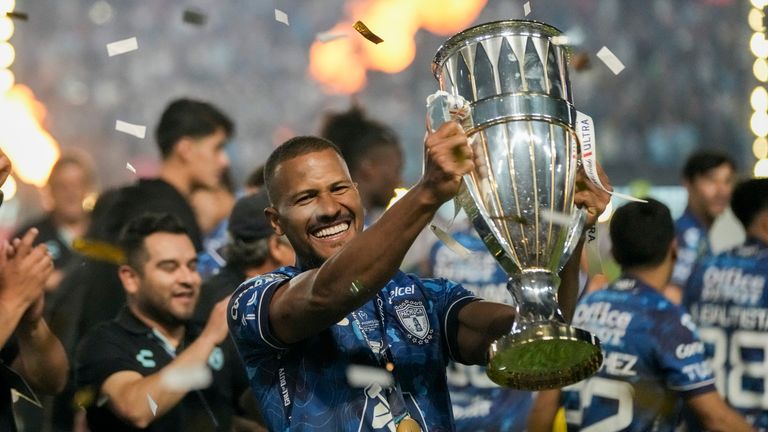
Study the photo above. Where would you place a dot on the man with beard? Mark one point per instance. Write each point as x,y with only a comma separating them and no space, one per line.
126,366
345,302
708,177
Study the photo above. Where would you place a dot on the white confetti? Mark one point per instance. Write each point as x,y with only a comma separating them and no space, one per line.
610,60
527,8
122,46
187,378
556,218
130,167
364,376
326,37
281,16
450,242
131,129
152,404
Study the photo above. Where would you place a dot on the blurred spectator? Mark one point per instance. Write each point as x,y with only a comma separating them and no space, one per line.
727,295
373,154
708,177
71,181
129,361
255,180
190,136
653,358
212,207
253,249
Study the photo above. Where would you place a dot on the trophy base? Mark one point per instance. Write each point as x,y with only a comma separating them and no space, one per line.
544,356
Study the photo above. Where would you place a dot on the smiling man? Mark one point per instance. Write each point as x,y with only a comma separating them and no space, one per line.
123,364
300,328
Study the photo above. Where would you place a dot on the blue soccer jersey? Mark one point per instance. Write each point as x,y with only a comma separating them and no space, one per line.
479,405
652,357
727,295
304,387
692,243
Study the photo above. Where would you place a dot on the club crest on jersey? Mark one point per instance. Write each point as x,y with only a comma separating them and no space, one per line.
413,316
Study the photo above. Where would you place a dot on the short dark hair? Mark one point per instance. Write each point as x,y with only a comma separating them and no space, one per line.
641,234
701,162
750,197
294,147
142,226
255,178
356,135
189,118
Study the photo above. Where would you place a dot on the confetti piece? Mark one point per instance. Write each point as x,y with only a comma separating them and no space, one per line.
131,129
527,8
610,60
556,218
194,17
326,37
122,46
364,376
450,242
281,16
152,404
130,167
21,16
367,33
187,378
98,250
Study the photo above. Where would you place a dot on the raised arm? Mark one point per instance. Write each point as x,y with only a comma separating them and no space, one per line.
319,298
127,391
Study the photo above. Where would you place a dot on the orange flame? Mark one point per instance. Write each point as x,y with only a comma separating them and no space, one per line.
341,65
30,147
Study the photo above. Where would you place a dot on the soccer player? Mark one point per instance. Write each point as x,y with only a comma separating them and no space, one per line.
727,295
708,178
653,359
299,328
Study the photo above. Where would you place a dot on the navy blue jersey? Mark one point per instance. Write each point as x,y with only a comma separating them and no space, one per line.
727,295
653,359
303,387
479,404
692,243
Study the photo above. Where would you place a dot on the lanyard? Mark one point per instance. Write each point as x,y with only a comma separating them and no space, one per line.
383,355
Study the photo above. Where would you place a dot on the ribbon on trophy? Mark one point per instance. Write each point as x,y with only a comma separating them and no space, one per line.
442,107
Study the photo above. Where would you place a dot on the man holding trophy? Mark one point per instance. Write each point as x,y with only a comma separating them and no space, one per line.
300,328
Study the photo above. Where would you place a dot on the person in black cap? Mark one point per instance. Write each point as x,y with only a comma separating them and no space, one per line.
254,249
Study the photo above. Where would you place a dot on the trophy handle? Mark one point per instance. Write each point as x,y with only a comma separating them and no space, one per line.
572,238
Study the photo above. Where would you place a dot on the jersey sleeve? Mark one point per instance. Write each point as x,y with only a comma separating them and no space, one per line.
452,297
249,315
100,355
680,354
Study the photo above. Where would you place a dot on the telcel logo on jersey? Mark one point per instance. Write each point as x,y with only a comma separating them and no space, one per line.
732,284
684,351
608,324
401,291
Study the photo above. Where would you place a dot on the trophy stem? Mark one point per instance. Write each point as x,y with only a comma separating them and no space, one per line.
542,351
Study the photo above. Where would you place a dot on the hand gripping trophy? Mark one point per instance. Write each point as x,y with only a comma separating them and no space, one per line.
521,128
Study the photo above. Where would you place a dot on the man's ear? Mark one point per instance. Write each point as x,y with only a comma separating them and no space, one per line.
130,279
673,249
274,220
184,147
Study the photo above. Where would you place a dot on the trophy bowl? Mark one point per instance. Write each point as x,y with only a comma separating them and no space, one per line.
521,129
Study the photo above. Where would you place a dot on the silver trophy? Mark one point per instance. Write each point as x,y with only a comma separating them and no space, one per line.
526,150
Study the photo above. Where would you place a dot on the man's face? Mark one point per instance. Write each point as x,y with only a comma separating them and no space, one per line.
208,160
387,166
169,284
68,189
711,192
316,205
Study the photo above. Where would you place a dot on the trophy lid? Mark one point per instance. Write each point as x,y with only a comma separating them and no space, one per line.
489,30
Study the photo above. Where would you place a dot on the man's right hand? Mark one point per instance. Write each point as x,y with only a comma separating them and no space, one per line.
24,268
448,158
216,328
